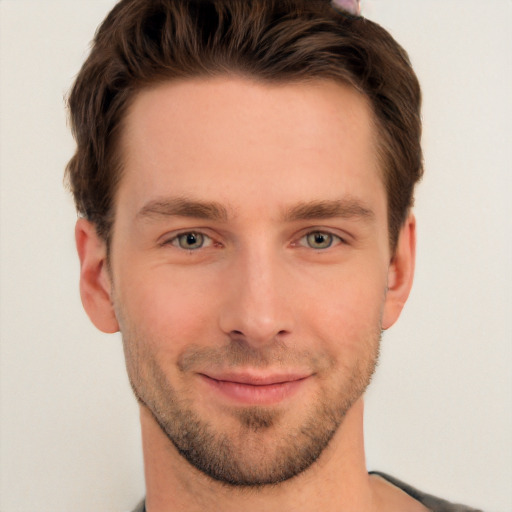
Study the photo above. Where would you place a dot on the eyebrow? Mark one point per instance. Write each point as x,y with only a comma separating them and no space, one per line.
342,208
211,210
183,207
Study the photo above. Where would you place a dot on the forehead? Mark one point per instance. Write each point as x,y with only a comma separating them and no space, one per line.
239,140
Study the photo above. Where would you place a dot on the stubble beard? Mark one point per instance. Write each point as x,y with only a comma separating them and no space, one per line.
262,449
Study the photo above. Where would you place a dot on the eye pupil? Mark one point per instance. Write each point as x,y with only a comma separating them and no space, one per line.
190,240
319,240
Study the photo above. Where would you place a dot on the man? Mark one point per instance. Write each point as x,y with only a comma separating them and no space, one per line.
244,174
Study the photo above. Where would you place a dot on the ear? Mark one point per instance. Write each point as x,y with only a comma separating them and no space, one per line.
400,273
95,282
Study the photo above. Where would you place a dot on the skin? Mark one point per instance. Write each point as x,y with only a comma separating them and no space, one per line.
266,321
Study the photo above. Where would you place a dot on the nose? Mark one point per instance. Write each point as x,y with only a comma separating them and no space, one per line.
256,306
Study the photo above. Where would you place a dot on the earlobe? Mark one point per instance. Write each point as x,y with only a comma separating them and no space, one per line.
400,273
95,284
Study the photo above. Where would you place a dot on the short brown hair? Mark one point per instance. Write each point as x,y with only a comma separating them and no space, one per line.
143,42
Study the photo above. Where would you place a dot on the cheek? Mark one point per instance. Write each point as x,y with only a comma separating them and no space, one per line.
347,311
169,312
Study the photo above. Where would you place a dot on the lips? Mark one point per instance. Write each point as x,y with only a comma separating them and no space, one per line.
253,388
255,379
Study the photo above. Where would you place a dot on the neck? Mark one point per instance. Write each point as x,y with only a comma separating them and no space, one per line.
338,480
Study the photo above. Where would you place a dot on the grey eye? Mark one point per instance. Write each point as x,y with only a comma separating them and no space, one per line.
319,240
190,240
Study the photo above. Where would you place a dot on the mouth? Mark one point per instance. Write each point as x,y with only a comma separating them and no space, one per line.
255,389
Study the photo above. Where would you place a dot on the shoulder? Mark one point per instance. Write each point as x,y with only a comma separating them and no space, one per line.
431,502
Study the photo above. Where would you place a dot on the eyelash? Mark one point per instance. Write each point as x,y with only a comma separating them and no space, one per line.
303,241
175,240
334,239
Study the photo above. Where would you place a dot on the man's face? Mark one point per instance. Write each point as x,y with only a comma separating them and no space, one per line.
249,268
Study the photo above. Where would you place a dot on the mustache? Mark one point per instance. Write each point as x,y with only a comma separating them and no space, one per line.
241,354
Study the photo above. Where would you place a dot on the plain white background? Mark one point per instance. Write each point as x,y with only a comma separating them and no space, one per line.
439,413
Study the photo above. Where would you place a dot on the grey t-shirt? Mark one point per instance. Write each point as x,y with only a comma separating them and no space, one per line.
431,502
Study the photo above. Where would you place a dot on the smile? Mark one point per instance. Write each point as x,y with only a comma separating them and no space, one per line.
255,389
